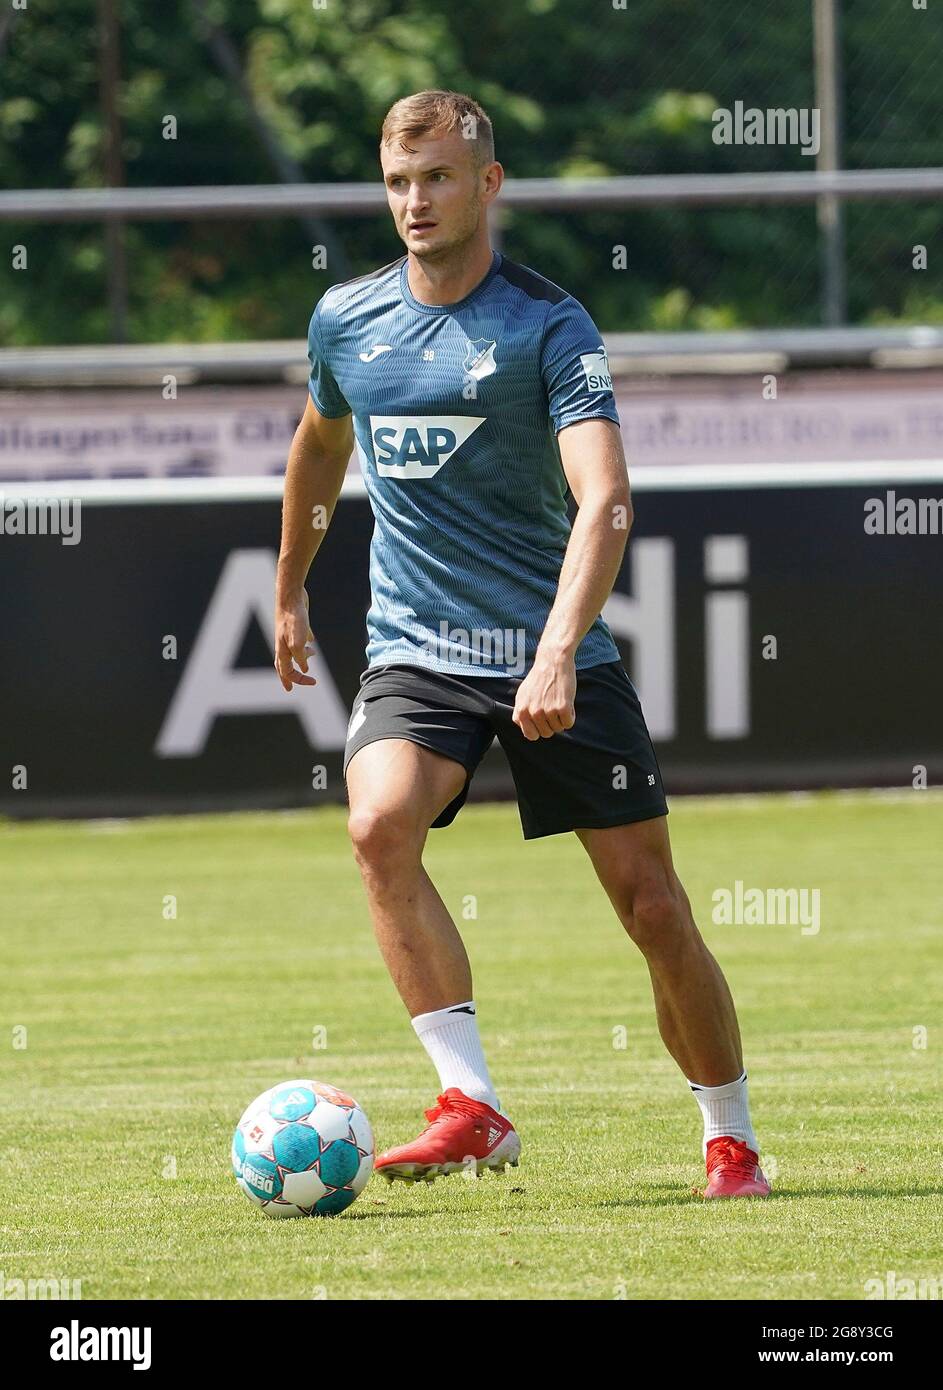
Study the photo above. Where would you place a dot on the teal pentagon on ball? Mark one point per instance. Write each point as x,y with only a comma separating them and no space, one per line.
339,1163
335,1202
296,1147
292,1103
261,1176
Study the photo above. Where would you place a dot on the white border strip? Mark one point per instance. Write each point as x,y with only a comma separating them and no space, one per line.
654,477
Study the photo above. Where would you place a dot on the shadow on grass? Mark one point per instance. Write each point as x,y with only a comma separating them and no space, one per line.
823,1190
673,1197
385,1213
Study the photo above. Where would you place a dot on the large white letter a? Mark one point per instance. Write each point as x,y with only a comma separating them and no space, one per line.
210,685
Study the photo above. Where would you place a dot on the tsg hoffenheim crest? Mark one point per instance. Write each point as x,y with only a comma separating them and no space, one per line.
479,360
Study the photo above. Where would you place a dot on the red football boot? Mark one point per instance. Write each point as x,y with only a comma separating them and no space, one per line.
733,1170
461,1134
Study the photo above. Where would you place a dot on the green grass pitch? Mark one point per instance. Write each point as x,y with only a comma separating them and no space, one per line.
145,1037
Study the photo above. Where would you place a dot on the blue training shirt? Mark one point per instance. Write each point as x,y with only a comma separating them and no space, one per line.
456,410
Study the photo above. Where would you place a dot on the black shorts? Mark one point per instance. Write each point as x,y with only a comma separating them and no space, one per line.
601,772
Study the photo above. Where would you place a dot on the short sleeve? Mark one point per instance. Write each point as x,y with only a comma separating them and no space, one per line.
324,390
574,367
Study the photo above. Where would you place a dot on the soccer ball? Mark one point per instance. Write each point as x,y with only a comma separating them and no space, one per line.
303,1149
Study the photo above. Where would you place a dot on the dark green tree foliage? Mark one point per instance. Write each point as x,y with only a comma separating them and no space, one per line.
574,87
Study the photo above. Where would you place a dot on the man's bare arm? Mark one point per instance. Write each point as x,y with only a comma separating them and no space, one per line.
594,463
317,462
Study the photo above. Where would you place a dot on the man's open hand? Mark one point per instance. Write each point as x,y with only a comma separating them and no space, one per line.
294,643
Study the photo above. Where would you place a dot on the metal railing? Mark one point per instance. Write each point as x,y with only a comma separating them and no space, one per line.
285,360
368,199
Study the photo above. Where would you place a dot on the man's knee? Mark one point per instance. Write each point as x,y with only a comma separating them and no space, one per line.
655,915
383,838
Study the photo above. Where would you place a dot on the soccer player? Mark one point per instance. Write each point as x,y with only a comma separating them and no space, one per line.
479,395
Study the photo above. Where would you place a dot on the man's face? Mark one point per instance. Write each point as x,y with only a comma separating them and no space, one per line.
436,194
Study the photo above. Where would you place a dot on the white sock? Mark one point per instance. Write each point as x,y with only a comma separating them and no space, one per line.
726,1110
450,1036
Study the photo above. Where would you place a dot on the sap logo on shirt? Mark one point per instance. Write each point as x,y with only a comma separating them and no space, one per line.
417,446
596,367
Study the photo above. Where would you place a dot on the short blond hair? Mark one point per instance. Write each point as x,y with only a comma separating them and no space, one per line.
438,113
